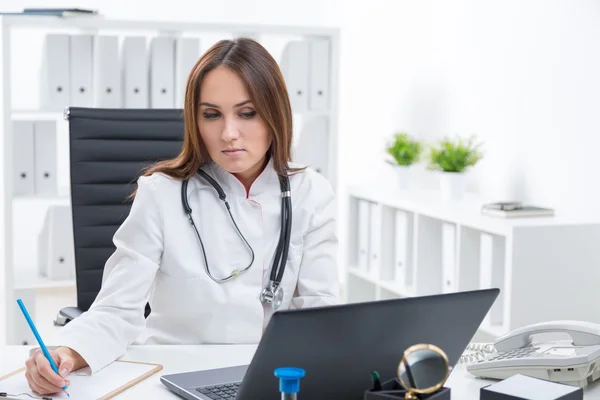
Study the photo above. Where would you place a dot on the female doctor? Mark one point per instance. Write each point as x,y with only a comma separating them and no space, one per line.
219,237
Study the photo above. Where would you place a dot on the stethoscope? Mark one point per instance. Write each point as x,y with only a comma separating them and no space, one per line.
273,293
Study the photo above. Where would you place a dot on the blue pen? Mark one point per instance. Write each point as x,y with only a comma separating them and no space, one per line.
39,339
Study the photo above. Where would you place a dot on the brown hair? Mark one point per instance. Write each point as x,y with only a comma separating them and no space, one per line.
267,89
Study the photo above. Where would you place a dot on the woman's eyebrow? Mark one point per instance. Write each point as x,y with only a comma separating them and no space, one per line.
216,106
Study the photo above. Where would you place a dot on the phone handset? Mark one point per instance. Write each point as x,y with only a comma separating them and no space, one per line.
582,333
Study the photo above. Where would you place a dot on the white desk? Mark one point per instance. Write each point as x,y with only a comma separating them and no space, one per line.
189,358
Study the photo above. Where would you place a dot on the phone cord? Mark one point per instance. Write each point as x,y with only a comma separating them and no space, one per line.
476,351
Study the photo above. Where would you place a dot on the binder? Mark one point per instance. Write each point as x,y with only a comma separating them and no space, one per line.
81,70
23,173
45,179
55,73
106,72
162,72
448,257
312,148
187,53
375,240
364,233
401,247
492,264
135,72
20,333
56,250
294,67
486,255
319,75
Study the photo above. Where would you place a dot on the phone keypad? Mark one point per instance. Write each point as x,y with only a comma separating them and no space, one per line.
523,352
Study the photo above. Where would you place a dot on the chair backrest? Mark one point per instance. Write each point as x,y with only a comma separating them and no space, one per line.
108,150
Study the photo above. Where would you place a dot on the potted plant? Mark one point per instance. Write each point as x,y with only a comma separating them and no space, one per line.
453,158
404,151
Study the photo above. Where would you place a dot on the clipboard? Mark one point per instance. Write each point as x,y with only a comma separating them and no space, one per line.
107,383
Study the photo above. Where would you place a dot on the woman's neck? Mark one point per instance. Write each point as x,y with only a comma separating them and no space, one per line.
248,177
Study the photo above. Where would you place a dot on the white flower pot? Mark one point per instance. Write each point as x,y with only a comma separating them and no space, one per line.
452,185
403,176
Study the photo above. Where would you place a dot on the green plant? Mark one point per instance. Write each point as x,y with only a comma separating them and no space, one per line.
404,150
454,156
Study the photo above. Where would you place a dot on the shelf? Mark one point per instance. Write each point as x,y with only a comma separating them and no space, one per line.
60,198
30,278
363,275
465,212
389,286
36,115
392,286
99,22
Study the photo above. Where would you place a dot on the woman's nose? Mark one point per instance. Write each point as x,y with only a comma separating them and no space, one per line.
230,130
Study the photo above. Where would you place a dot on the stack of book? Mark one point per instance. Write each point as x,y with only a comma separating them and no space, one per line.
515,210
57,12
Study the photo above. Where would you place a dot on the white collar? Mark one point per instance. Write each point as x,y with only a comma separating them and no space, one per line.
235,187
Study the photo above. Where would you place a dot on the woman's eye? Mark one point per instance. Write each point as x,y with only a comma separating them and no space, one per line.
248,114
210,115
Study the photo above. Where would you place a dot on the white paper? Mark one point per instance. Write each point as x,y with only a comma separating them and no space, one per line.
84,385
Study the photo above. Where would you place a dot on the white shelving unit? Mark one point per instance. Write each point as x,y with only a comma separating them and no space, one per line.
313,90
411,243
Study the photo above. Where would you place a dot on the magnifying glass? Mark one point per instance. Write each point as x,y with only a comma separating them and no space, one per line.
423,369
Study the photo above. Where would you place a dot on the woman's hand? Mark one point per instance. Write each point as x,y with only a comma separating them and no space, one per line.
40,376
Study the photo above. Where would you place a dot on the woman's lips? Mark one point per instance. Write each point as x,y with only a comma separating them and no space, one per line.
233,152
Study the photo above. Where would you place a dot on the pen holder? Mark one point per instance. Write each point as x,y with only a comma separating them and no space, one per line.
392,390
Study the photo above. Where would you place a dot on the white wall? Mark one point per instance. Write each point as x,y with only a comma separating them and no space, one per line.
522,75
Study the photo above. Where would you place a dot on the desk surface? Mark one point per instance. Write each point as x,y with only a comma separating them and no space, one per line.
189,358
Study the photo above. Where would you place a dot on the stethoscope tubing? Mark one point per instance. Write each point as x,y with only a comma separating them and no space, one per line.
282,249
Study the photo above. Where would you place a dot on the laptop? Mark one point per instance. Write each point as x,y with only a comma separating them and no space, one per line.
339,346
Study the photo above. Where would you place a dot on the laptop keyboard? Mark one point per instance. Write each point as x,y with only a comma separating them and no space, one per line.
220,392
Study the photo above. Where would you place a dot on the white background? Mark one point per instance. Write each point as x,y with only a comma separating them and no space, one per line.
522,75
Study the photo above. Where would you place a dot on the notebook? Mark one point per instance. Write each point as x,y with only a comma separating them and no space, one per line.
104,384
515,210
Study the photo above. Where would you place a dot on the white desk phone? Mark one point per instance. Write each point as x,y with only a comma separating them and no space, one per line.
575,362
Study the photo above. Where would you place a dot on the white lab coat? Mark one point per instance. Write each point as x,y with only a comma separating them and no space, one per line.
158,259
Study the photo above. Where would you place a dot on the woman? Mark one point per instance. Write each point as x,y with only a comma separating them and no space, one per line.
209,286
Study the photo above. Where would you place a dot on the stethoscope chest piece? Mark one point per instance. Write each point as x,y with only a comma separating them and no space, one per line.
272,294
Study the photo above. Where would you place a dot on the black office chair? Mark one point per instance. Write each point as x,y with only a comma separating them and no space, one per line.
108,150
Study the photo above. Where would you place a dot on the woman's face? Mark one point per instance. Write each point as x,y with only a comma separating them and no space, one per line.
236,137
